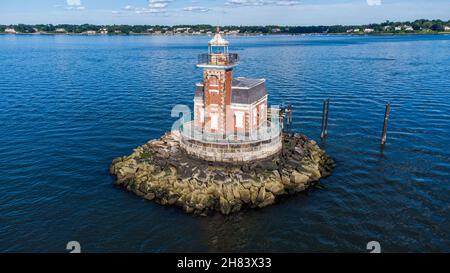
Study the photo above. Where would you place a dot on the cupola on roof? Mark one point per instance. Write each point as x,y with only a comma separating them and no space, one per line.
218,40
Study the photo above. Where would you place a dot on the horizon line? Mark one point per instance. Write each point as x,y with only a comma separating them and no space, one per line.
237,25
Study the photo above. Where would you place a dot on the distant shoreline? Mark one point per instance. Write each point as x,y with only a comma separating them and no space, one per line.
417,27
235,35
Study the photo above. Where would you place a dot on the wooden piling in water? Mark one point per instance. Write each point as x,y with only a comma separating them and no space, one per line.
385,124
322,129
289,115
325,115
281,115
326,118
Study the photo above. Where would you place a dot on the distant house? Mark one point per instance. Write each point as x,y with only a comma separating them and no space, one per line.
60,30
91,32
398,28
386,28
447,28
276,30
10,31
104,31
356,30
369,30
349,30
182,29
408,28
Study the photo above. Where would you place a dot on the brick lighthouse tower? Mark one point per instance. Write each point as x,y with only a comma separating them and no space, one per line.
230,113
214,115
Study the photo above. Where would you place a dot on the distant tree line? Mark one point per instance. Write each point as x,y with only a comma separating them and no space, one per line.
421,25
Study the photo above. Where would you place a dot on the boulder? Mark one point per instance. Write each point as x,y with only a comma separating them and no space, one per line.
245,195
269,199
149,196
299,178
127,171
225,207
235,190
275,187
261,194
229,195
188,209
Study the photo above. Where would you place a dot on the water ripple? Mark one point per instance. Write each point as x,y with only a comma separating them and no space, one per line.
71,104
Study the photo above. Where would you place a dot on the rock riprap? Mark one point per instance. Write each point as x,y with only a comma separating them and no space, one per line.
161,171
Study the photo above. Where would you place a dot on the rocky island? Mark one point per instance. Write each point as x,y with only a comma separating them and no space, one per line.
161,171
233,154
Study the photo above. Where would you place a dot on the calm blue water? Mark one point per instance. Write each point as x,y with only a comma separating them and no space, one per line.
71,104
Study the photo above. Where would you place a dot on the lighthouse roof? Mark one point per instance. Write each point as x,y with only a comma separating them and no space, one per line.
218,40
247,91
244,90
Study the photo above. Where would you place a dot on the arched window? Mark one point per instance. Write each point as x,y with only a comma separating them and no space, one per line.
239,119
202,114
213,84
214,121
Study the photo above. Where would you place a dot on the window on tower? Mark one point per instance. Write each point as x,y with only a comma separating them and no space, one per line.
214,121
201,112
239,119
213,84
217,50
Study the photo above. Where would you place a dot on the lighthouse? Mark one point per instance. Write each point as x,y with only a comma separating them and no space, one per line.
230,113
215,92
231,154
224,104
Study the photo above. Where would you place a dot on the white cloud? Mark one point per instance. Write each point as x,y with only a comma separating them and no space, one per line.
196,9
74,5
73,2
156,10
374,2
153,7
287,3
158,4
246,2
75,8
262,2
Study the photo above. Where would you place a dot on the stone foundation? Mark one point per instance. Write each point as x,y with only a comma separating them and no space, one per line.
161,171
231,153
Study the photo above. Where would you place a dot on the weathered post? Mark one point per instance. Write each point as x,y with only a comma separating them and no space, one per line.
322,129
289,115
385,124
326,119
281,116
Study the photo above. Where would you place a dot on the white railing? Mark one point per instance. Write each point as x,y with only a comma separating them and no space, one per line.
266,132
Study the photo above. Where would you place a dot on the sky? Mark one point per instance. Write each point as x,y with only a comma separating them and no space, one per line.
220,12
